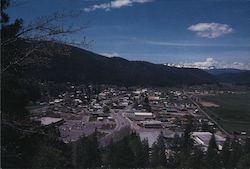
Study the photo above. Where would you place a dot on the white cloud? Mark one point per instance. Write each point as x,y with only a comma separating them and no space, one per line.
110,54
210,30
212,63
237,65
190,44
209,62
114,4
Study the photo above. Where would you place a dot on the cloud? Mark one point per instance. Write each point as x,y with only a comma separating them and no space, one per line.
209,62
210,30
212,63
114,5
237,65
114,54
190,44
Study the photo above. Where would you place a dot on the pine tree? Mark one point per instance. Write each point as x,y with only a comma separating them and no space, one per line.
244,162
225,153
235,154
162,150
196,159
154,160
187,143
158,157
212,157
175,149
87,152
145,149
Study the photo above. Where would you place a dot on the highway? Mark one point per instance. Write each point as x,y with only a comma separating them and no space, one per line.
209,117
121,129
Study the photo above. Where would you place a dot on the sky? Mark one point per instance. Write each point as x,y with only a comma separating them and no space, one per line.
200,33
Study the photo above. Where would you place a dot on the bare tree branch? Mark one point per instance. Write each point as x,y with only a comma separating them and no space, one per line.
44,29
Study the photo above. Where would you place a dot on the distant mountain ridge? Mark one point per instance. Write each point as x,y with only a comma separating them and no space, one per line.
223,71
234,76
84,66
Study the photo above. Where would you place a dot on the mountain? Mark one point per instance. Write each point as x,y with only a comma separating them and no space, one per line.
223,71
241,78
233,76
84,66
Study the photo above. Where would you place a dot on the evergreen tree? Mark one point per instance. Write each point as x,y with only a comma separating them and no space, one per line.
145,149
235,154
87,152
158,157
162,150
187,143
244,162
225,153
49,157
154,160
124,156
110,155
212,157
139,150
247,146
196,159
175,149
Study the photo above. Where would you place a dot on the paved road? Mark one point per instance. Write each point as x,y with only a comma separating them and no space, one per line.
121,129
209,117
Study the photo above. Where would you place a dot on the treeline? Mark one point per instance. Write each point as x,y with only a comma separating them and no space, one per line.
45,150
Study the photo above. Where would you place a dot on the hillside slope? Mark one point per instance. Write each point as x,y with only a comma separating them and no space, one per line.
84,66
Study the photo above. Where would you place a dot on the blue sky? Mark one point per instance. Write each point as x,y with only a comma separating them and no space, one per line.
190,32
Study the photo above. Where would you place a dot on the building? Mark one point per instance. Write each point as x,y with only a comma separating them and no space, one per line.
139,116
151,124
46,121
203,138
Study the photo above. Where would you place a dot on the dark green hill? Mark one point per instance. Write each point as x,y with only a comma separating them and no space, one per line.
84,66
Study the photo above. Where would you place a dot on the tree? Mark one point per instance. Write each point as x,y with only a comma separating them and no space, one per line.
145,153
26,45
124,156
175,149
49,157
244,162
158,157
87,153
187,142
154,160
247,146
236,153
212,157
140,151
225,153
32,43
196,159
106,109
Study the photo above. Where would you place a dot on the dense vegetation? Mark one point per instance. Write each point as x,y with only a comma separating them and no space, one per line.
84,66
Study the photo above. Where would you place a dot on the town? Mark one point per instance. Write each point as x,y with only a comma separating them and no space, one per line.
115,112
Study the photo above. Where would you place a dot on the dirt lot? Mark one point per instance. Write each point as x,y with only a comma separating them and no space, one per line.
209,104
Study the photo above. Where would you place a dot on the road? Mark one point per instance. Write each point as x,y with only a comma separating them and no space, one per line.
121,129
209,117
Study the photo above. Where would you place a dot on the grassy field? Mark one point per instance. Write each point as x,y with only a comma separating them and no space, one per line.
233,112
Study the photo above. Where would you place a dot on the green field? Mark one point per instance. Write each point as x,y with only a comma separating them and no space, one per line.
233,112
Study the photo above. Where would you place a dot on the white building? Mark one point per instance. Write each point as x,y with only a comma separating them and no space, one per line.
203,138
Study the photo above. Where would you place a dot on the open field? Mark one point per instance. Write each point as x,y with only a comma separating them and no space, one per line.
232,112
209,104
